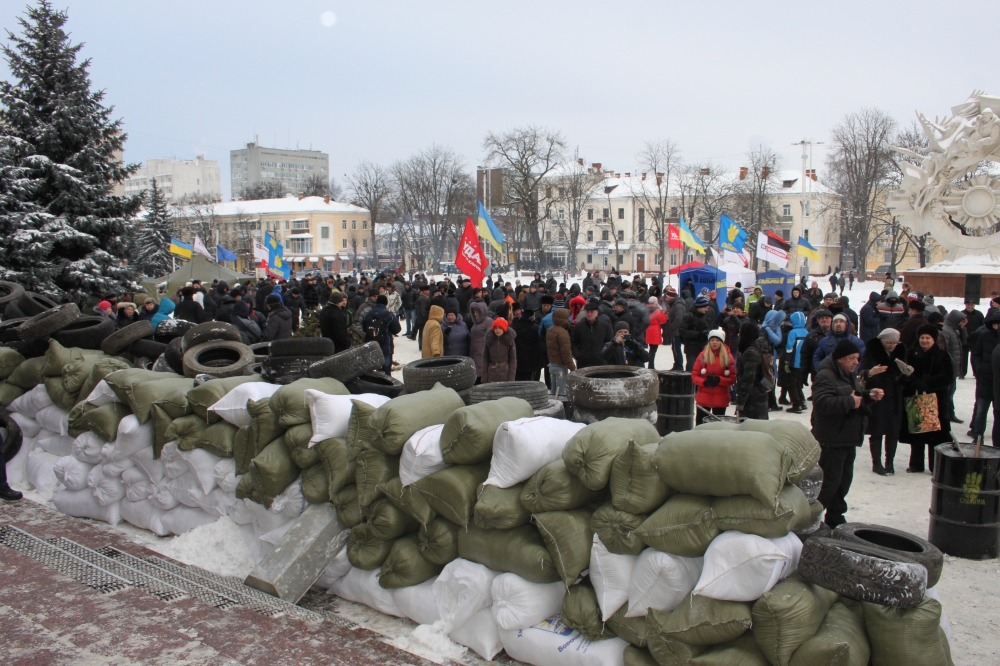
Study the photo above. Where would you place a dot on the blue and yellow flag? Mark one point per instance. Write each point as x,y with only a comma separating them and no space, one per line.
731,236
688,237
488,230
806,250
181,249
276,265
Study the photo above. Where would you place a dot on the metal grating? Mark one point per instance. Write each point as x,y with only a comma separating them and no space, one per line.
68,564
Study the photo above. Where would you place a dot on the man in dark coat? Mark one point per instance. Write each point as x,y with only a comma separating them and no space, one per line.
623,314
751,394
695,329
759,309
589,337
423,310
891,313
796,303
333,322
918,318
379,319
869,317
824,321
464,295
279,320
623,349
296,305
840,411
530,348
974,320
672,330
982,367
880,366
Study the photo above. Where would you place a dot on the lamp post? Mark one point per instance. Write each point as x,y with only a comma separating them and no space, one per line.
805,204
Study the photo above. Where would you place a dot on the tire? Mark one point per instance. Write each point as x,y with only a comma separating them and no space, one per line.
120,340
45,324
161,364
823,531
13,312
202,378
32,304
535,393
87,332
376,382
169,329
174,356
10,292
812,483
286,369
587,415
261,350
555,409
303,347
210,331
256,369
143,363
13,440
863,572
457,372
349,364
466,396
221,358
612,387
32,349
9,329
147,348
896,541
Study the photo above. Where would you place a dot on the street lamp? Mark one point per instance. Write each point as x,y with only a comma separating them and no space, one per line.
802,202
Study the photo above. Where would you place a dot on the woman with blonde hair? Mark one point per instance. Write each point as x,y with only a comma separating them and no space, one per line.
713,373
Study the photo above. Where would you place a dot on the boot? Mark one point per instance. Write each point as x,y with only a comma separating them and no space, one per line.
9,494
783,400
890,456
876,448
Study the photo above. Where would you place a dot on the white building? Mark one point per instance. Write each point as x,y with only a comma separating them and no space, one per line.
292,169
178,178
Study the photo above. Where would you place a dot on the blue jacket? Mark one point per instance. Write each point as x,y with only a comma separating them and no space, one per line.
546,323
166,308
869,316
796,339
829,342
772,326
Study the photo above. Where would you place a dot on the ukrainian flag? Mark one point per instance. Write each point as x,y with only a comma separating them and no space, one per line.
806,250
181,249
488,230
688,237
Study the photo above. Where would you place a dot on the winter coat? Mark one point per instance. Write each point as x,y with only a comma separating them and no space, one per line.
954,339
145,314
771,328
829,343
392,327
974,321
531,352
758,311
481,328
908,334
836,422
410,296
625,316
189,310
296,305
628,353
751,398
557,340
932,373
870,321
654,331
499,358
588,341
731,325
815,296
891,314
456,337
531,303
675,320
333,325
695,332
279,324
800,304
809,348
433,339
887,413
986,340
163,311
640,319
796,341
757,294
423,306
713,396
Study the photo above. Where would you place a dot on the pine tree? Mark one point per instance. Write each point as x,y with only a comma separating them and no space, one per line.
151,238
62,232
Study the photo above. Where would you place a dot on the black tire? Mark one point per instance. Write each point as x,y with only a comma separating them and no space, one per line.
286,369
587,415
256,369
147,348
32,349
32,304
169,329
535,393
823,531
10,292
210,331
349,364
612,387
555,409
12,442
143,362
896,541
862,572
812,483
120,340
376,382
161,364
174,356
221,358
9,329
303,347
261,350
45,324
456,372
13,312
87,332
202,378
466,396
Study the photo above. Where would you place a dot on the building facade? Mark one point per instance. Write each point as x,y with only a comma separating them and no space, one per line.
290,168
178,179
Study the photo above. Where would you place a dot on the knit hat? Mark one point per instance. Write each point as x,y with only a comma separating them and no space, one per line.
149,300
500,322
272,299
917,306
622,302
717,333
652,301
104,305
701,302
889,335
845,348
843,318
241,309
337,297
622,325
929,299
823,313
830,295
547,299
891,294
928,329
671,292
703,292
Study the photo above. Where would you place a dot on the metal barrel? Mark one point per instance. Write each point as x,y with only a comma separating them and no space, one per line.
965,502
675,403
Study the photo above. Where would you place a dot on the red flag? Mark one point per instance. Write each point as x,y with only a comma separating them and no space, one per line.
674,238
470,258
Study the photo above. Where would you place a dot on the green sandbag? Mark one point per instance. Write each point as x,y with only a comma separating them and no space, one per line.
359,431
395,422
406,566
333,456
184,427
468,433
701,621
500,508
788,615
452,491
297,440
840,641
243,450
553,488
290,404
161,424
28,375
103,421
9,360
77,424
364,550
216,438
204,396
139,388
9,393
273,470
103,367
520,550
751,516
684,526
407,499
634,484
796,437
264,426
742,651
631,629
315,488
581,611
568,537
75,373
590,453
617,529
57,357
438,540
373,468
385,520
907,636
59,396
246,488
668,651
638,657
345,501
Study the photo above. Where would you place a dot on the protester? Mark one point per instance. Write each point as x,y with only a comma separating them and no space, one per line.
189,309
478,332
531,352
624,349
675,320
560,351
126,314
917,319
695,330
380,326
754,373
589,337
759,310
149,310
973,324
795,363
333,322
654,331
955,339
928,371
6,492
296,306
432,336
987,339
714,372
796,302
455,334
839,331
499,357
423,308
881,368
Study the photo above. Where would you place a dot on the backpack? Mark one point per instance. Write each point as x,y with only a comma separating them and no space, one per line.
377,330
766,372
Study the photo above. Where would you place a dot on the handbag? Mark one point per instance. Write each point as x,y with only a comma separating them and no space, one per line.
922,413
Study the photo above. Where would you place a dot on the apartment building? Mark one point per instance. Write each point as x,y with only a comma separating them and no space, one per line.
178,179
290,168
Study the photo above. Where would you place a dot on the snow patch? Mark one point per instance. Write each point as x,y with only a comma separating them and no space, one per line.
217,547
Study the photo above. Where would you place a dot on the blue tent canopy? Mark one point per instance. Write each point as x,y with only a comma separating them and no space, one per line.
771,281
704,276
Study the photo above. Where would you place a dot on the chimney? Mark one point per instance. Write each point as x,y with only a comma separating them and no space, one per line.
659,178
706,172
644,175
597,166
326,199
811,173
764,173
628,175
579,161
743,173
301,196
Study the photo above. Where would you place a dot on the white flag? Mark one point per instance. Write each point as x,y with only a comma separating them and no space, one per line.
260,252
199,248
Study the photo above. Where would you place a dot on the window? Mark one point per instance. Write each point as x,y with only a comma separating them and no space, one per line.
364,224
299,245
621,213
605,235
344,242
786,234
642,225
324,232
786,209
808,207
590,213
673,211
548,235
562,235
621,260
590,258
343,225
659,212
887,256
605,262
805,234
300,225
364,242
590,236
562,214
606,213
354,224
673,259
621,236
657,260
286,224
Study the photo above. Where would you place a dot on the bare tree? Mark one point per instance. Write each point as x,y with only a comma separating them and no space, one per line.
753,200
705,192
661,160
196,216
371,186
577,186
264,190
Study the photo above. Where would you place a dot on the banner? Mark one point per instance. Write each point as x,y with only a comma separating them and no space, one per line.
731,235
806,250
276,258
739,258
180,249
488,230
260,252
674,238
470,258
773,248
222,254
688,238
199,248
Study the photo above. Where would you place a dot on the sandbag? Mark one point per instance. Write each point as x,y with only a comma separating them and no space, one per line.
610,575
742,567
154,469
742,651
794,436
520,550
452,491
87,447
395,422
273,470
9,360
408,499
131,439
387,522
590,453
406,565
173,461
462,589
102,367
552,643
632,629
57,357
581,612
751,516
216,438
76,373
500,508
83,504
412,601
144,515
661,581
365,550
232,407
333,457
634,484
568,537
39,472
519,604
524,446
244,449
359,430
906,636
330,414
667,650
138,487
362,587
841,640
468,433
553,488
315,485
684,525
32,402
28,375
373,468
290,403
139,389
71,472
480,634
617,529
106,491
338,568
29,426
54,419
59,395
161,423
297,440
787,616
224,473
421,455
438,541
9,393
345,501
207,394
264,426
75,422
700,621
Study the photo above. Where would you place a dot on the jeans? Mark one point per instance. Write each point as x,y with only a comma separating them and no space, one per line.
411,320
676,348
979,417
558,373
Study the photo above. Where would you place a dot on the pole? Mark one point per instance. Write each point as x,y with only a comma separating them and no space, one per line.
801,264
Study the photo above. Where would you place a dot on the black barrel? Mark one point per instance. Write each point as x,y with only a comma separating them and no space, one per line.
965,502
675,404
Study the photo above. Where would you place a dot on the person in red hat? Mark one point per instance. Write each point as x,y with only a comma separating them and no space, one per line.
500,354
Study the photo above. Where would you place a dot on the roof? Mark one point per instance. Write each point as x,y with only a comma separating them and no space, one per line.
287,205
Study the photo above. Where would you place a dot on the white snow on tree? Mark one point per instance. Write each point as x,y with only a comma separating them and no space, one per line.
151,238
62,232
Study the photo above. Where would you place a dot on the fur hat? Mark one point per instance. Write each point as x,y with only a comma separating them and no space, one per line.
928,329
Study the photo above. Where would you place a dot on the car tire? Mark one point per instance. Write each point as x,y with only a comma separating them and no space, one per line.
555,409
143,362
168,329
210,331
32,349
9,329
456,372
261,350
174,356
612,387
9,292
87,332
120,340
13,312
376,382
822,530
303,347
48,322
812,483
147,348
863,572
535,394
32,304
221,358
287,369
897,541
349,364
161,364
587,415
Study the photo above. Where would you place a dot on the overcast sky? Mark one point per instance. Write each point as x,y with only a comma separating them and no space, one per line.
382,80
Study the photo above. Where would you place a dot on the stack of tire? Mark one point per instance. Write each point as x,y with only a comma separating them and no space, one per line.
605,391
31,320
455,372
535,393
359,368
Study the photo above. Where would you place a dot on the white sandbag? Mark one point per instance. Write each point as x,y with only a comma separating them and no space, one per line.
524,446
480,634
187,490
552,643
519,603
87,448
114,470
233,406
263,520
202,464
183,519
162,497
241,514
54,418
83,504
152,467
144,515
610,575
132,438
54,443
462,588
225,472
138,487
421,455
32,402
173,462
742,567
329,413
39,472
72,472
362,587
413,601
17,466
29,426
290,503
661,581
339,568
107,491
102,395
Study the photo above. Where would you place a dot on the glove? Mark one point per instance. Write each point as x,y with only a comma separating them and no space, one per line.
711,381
907,370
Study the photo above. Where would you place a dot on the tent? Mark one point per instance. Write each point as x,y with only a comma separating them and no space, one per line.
199,267
771,281
684,267
704,276
739,273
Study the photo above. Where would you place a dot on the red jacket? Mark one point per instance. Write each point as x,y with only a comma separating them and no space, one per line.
717,396
654,334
